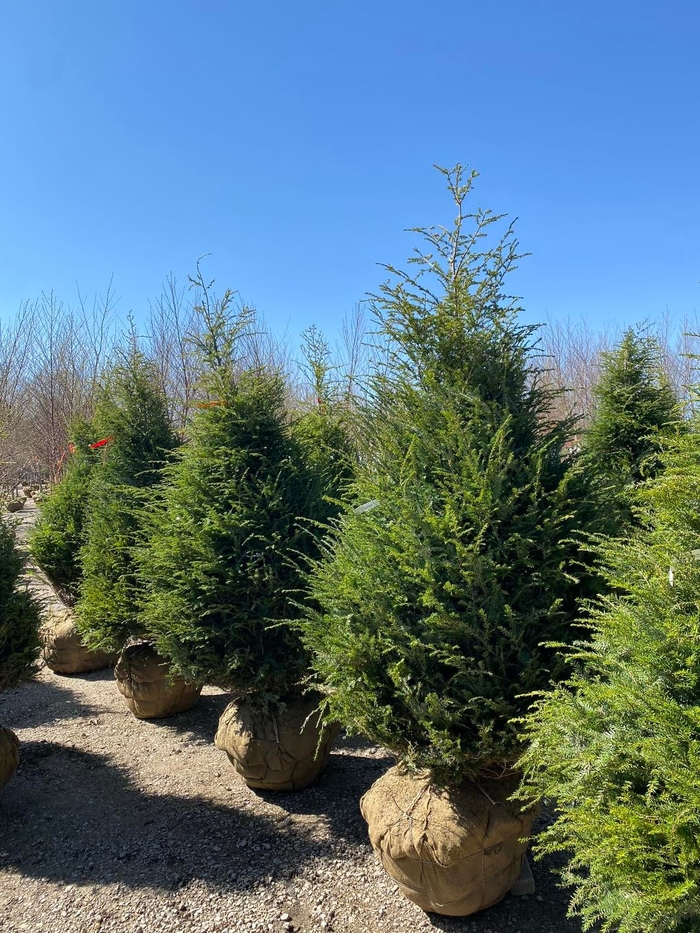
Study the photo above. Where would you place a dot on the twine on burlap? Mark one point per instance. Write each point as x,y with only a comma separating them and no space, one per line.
452,851
151,692
63,650
283,749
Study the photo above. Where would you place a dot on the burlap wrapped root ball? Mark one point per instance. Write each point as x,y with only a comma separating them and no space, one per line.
9,755
15,505
64,651
276,751
452,851
151,692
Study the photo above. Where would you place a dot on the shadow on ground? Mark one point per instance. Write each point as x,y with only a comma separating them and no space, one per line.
335,796
48,701
95,826
200,723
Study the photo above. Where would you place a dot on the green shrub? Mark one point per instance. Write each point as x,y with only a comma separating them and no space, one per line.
636,407
59,533
19,616
323,429
132,411
240,511
457,561
618,745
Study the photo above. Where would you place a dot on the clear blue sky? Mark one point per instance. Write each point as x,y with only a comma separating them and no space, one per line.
294,142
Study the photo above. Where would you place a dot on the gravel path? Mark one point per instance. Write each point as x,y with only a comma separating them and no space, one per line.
116,824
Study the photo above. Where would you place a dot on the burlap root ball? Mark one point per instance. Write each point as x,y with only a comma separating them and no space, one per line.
15,505
276,751
63,650
452,851
9,755
151,692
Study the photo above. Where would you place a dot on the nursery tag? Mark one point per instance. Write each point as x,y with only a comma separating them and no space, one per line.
670,575
105,440
366,507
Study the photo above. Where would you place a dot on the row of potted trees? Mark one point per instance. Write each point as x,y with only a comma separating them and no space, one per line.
409,570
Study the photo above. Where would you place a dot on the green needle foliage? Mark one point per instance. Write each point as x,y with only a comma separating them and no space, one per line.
458,560
324,430
618,745
636,408
19,617
59,533
132,410
240,511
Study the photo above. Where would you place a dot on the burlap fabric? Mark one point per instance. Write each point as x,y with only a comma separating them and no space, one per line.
275,751
452,851
63,650
9,755
144,680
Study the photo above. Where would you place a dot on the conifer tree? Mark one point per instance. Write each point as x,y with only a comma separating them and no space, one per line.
617,746
19,616
132,425
636,408
457,561
59,533
323,430
239,514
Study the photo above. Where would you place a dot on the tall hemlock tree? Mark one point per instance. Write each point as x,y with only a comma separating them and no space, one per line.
239,513
618,745
636,408
458,560
131,421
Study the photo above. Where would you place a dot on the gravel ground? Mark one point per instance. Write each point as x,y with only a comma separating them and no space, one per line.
116,824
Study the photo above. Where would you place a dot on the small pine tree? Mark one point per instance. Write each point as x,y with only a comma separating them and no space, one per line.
636,408
131,418
456,563
323,430
618,745
239,514
19,616
59,533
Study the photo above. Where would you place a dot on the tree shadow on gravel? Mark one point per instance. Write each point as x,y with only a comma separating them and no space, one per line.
71,816
201,722
43,702
353,767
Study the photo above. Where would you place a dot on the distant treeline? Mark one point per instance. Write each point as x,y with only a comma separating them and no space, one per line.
53,356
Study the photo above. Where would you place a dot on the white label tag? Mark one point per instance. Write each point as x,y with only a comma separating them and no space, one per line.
366,507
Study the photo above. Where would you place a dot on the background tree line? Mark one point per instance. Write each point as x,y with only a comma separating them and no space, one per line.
53,356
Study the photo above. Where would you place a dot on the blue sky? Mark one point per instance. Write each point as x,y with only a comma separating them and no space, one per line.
294,142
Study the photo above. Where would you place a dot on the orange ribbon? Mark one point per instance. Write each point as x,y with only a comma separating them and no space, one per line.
105,440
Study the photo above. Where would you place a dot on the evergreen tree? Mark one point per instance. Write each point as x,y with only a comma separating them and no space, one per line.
59,533
457,562
636,408
239,514
131,422
323,429
19,616
618,745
